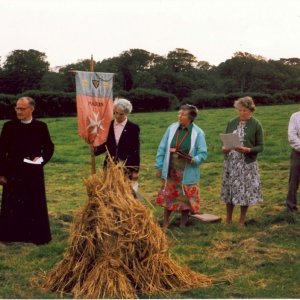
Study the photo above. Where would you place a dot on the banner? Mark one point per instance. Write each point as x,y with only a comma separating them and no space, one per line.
94,105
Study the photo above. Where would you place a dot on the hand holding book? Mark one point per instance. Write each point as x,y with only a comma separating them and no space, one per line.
184,155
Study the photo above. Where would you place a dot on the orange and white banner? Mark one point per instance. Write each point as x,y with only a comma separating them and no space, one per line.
94,105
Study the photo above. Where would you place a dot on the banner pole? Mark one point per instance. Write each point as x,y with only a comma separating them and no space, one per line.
93,161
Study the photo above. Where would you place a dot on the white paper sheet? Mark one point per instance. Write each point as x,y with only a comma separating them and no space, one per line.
230,140
36,162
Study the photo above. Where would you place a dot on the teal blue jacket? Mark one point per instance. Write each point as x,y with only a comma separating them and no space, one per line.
198,151
254,137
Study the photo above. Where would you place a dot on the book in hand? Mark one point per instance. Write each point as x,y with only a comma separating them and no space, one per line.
184,155
230,140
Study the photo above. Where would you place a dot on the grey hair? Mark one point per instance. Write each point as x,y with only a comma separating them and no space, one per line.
124,104
246,102
192,111
30,100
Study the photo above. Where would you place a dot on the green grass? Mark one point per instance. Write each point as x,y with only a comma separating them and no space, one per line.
259,261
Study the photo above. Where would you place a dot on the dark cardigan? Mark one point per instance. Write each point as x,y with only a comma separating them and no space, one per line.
128,149
254,137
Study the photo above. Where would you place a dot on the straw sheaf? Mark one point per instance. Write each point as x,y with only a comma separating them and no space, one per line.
117,250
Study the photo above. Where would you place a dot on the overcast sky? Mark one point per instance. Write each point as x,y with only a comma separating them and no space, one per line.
212,30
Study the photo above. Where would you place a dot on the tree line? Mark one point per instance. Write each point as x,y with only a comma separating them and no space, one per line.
153,82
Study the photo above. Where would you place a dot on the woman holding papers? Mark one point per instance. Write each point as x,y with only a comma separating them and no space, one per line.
179,155
241,183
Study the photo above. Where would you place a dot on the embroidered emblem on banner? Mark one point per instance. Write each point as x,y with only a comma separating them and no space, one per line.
106,84
84,82
95,83
95,124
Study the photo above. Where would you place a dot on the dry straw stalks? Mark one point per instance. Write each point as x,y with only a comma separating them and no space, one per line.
117,249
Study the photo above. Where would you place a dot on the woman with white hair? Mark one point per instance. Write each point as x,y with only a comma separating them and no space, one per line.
123,141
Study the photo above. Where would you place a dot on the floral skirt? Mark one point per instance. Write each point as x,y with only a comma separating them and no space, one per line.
175,196
241,182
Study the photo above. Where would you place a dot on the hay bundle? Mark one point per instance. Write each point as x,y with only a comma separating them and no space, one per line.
117,250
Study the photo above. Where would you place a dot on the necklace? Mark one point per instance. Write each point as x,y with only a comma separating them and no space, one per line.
178,143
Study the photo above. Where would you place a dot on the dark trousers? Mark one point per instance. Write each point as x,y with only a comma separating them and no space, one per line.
294,181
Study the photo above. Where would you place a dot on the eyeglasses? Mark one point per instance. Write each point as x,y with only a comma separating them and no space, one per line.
21,108
119,114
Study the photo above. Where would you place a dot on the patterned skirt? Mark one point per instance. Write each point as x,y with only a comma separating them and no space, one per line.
175,196
241,182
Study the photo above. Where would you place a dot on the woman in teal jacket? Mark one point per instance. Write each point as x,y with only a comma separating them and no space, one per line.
179,155
241,182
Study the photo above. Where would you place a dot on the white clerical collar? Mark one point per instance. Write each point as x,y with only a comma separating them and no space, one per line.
26,121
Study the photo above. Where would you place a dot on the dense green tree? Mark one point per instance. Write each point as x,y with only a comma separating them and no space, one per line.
174,83
144,79
24,70
108,65
131,63
53,81
178,73
204,65
180,60
239,69
140,60
2,81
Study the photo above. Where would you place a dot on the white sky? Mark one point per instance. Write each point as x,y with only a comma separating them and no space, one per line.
212,30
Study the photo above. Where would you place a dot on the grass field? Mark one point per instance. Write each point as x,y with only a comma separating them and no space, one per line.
261,260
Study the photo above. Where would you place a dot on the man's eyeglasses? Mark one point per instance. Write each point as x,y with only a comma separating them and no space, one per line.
21,108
